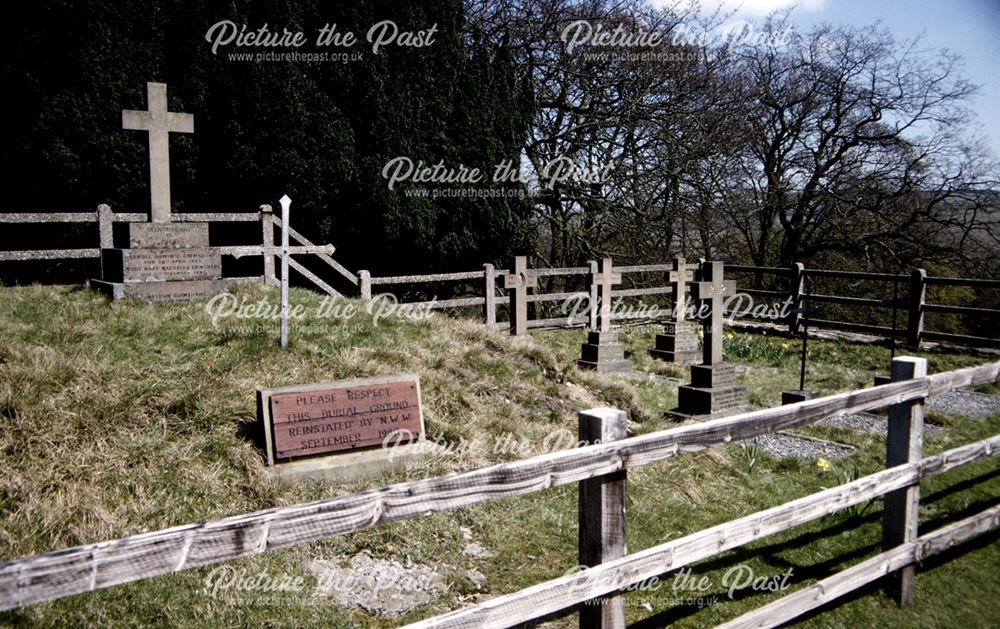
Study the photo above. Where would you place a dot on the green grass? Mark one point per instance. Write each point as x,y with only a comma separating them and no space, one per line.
125,418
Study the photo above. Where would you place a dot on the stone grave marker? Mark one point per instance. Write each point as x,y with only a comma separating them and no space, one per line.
602,351
678,342
338,430
164,261
713,385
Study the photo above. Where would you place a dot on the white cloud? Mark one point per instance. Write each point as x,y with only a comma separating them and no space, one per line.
752,7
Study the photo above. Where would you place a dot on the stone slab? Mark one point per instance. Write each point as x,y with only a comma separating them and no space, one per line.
712,376
689,357
706,401
157,265
602,338
332,417
162,292
356,466
796,396
168,235
677,342
602,353
609,366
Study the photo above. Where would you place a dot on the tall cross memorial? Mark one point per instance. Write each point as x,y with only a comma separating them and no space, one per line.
160,123
602,351
713,385
678,342
162,261
518,281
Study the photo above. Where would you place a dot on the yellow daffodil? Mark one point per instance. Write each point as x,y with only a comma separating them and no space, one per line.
823,464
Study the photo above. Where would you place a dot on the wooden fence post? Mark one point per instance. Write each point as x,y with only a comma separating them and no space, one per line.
489,297
796,287
918,296
592,324
602,517
105,224
267,241
365,282
904,444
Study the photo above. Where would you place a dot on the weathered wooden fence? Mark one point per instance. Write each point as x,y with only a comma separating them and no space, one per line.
600,469
913,304
490,300
105,219
796,278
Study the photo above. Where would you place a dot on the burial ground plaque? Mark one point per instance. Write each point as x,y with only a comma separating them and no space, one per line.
363,426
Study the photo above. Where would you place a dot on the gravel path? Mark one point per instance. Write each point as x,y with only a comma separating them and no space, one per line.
866,422
965,403
784,446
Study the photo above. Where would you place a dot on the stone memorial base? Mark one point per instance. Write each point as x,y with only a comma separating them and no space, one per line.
602,352
793,397
165,262
161,292
713,388
677,344
357,466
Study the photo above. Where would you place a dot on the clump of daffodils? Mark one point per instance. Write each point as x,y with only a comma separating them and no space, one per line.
823,464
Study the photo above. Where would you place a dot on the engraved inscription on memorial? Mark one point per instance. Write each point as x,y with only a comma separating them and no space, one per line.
343,417
168,235
171,264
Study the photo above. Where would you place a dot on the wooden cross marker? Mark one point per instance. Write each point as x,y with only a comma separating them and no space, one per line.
679,278
713,290
604,279
520,279
159,123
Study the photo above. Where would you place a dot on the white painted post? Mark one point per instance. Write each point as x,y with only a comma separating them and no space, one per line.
267,240
285,205
904,444
602,517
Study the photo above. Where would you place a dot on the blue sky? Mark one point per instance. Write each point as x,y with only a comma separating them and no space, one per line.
970,28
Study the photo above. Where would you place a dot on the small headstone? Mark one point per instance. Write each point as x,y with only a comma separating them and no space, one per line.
345,430
603,351
713,387
678,342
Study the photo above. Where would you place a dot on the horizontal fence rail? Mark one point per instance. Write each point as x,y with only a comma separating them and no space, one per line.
913,304
86,568
558,594
844,582
105,218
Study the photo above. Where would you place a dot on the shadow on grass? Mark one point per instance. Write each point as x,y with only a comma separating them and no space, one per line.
821,570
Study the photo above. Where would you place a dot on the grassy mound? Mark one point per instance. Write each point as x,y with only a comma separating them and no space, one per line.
125,418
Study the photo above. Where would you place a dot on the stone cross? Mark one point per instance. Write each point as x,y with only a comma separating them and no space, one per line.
159,123
605,278
713,290
679,278
520,279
